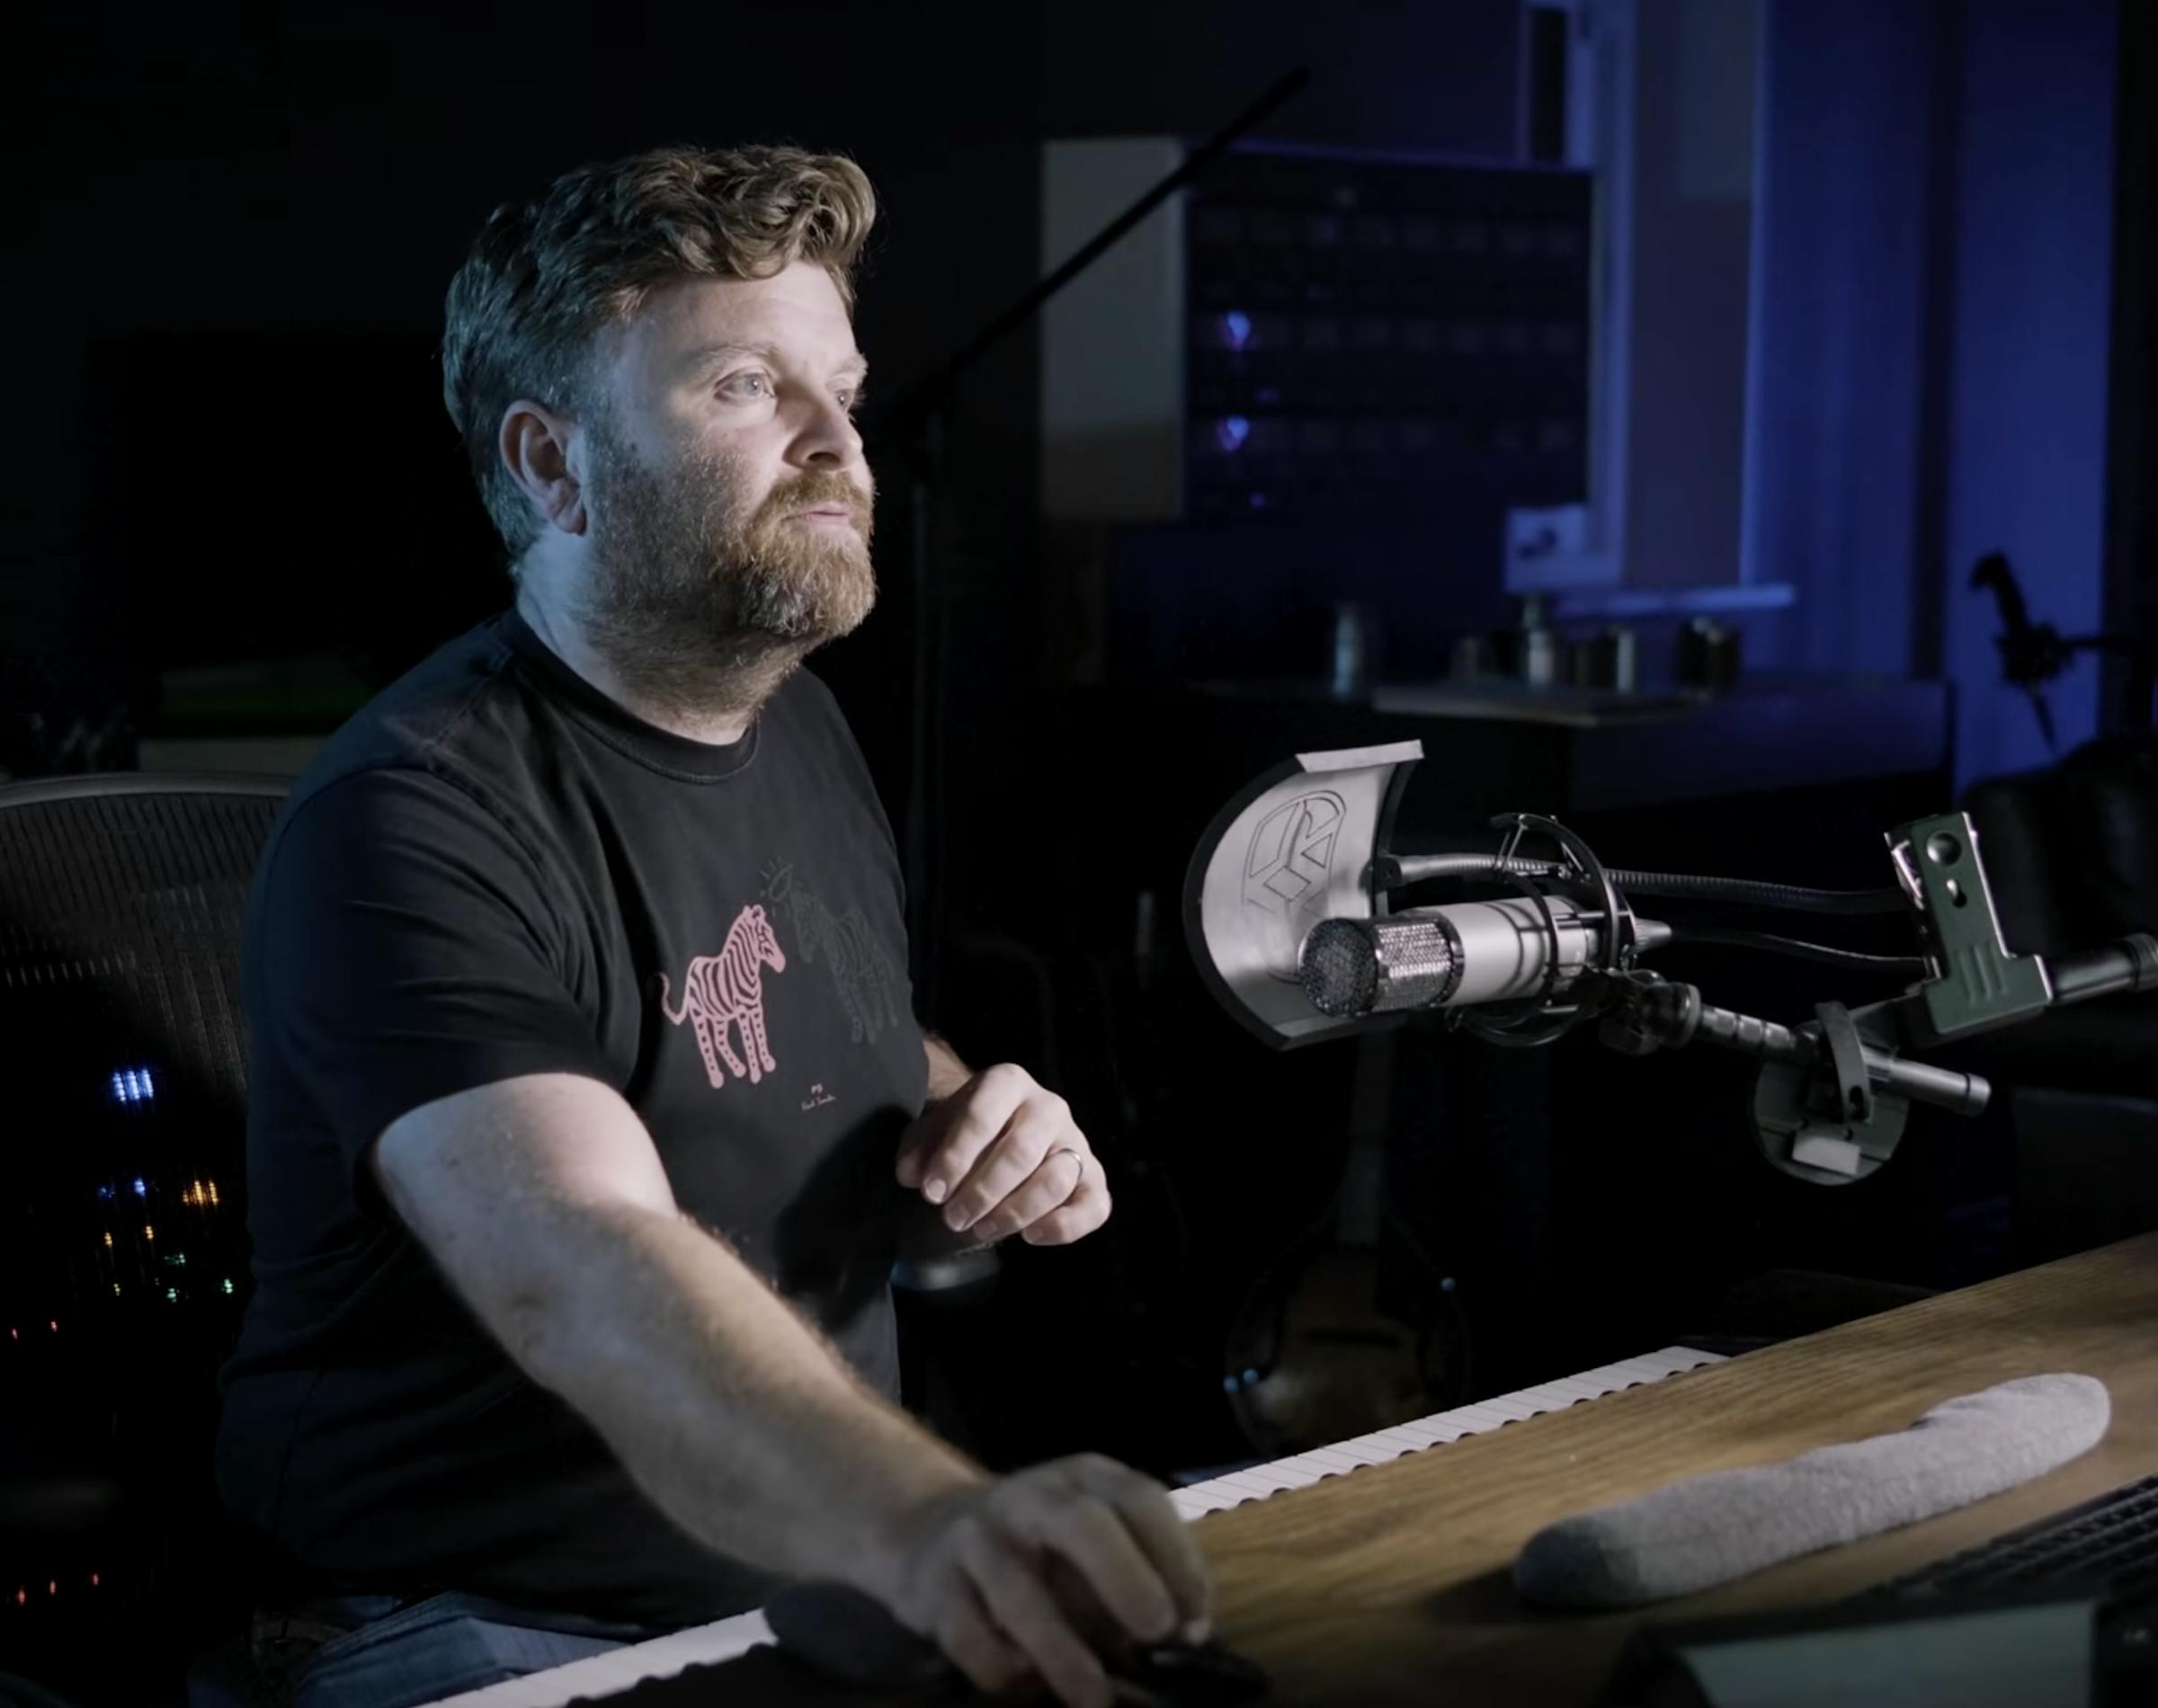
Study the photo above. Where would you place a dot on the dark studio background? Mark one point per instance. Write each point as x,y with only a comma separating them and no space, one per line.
235,506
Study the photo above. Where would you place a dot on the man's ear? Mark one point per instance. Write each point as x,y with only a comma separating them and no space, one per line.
535,444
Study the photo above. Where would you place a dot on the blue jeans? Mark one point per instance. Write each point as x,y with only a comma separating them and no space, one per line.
396,1655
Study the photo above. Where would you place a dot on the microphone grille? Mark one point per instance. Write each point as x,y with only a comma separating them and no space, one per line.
1338,968
1349,968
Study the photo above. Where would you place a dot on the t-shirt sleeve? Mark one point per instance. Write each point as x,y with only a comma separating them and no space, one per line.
405,947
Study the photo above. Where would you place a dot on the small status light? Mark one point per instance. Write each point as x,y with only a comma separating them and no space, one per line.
93,1581
22,1596
53,1327
142,1190
105,1192
52,1586
108,1241
149,1233
133,1085
173,1294
226,1283
213,1193
116,1289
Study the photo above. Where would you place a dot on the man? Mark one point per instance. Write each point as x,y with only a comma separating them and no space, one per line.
580,1144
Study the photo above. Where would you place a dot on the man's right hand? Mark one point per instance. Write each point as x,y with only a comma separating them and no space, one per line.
991,1572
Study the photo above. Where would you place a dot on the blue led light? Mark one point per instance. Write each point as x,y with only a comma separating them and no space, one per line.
133,1085
141,1189
1238,325
105,1192
1233,431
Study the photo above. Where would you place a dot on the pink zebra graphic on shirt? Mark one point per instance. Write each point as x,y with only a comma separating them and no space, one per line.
727,988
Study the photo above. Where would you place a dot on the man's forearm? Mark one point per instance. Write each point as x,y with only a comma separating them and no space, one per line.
728,1410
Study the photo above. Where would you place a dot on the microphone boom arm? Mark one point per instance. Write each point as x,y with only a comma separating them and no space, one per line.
1300,857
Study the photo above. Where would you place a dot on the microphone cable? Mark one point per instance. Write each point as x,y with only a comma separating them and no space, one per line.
1396,871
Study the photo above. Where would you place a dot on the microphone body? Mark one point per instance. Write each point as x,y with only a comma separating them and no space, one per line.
1460,955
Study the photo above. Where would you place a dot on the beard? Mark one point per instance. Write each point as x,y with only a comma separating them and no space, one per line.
699,601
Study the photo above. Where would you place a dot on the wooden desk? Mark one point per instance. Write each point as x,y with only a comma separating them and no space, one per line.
1393,1586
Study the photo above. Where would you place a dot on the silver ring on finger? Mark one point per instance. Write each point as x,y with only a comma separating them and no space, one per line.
1076,1155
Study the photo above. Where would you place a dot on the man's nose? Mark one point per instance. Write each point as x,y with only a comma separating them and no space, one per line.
828,436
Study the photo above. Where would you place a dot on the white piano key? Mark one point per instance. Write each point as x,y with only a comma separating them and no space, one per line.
1438,1432
1235,1484
1364,1454
1641,1373
1293,1473
1550,1397
1400,1439
1278,1476
1395,1441
1463,1420
619,1668
1671,1361
1207,1498
1259,1480
1630,1373
1488,1414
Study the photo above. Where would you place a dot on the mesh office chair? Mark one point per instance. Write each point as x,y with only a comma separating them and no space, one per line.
2072,855
122,1244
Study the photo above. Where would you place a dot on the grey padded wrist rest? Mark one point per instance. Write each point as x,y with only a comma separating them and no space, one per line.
1707,1530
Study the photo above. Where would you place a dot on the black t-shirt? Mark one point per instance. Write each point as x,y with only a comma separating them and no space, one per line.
494,870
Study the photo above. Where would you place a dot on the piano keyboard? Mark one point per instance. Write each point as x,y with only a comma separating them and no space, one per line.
704,1645
1233,1490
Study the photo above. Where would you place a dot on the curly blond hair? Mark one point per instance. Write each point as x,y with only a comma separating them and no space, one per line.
546,277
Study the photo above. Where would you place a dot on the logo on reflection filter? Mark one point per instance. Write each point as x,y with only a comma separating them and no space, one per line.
1285,872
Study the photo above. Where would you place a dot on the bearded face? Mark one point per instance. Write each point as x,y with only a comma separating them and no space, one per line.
701,595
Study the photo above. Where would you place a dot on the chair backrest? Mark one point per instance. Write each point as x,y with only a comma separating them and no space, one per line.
2072,851
2015,818
122,1218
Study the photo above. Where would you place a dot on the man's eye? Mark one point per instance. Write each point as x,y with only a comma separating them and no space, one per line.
748,386
850,398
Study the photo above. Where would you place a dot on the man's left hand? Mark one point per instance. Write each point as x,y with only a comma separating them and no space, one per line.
1002,1156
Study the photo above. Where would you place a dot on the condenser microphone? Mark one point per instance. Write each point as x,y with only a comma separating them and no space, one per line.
1457,956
